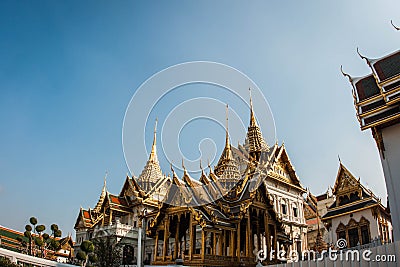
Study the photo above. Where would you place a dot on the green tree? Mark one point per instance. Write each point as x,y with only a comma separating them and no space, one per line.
40,241
4,262
107,251
85,255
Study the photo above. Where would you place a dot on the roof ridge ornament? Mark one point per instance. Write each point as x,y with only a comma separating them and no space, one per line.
345,74
183,166
105,180
363,57
397,28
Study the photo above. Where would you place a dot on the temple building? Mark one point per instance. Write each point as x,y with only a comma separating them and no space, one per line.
377,102
281,181
356,214
251,201
120,216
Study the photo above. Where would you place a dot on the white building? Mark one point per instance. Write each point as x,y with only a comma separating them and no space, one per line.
357,215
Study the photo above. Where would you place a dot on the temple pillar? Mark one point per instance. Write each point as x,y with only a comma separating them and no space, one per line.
267,235
238,242
156,246
258,234
232,244
203,243
248,235
221,243
177,241
191,238
214,248
166,234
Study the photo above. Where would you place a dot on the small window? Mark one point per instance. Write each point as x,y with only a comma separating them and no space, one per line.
134,224
341,235
295,212
365,234
284,211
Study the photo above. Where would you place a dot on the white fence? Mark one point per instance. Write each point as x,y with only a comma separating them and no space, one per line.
22,259
378,256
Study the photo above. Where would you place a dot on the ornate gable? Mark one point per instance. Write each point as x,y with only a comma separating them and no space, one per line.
131,189
345,181
283,168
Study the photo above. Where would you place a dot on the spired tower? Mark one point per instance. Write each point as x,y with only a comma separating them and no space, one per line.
227,168
377,102
151,173
254,143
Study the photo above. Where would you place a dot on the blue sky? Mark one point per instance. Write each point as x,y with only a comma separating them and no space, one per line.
68,70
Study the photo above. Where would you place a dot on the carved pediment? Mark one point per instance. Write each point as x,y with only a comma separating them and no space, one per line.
347,183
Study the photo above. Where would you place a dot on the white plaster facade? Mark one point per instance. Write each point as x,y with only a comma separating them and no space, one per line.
390,159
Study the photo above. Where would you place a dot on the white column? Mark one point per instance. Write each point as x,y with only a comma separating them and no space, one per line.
139,252
390,162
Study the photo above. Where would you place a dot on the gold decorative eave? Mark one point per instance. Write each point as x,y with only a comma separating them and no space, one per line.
389,80
353,211
368,100
276,177
352,203
380,122
371,112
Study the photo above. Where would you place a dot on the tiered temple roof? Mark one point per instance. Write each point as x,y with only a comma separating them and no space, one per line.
377,95
351,195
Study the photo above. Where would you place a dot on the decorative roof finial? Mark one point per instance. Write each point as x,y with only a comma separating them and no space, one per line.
226,127
339,159
397,28
345,74
361,56
153,153
253,121
105,179
183,166
201,168
209,166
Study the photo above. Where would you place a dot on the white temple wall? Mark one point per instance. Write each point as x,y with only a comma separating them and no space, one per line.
390,159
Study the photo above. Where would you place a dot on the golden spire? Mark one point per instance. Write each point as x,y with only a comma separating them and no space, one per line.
102,195
153,153
254,142
253,121
227,168
228,151
151,173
